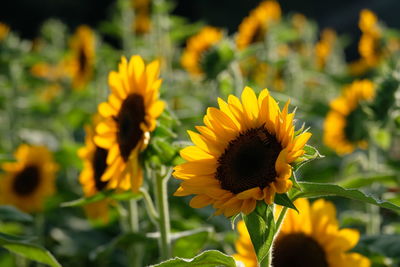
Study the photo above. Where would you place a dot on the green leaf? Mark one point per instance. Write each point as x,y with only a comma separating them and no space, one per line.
10,213
310,190
284,200
122,241
261,226
310,154
210,258
33,252
101,196
189,246
356,182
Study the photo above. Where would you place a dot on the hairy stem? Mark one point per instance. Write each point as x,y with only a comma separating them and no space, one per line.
163,220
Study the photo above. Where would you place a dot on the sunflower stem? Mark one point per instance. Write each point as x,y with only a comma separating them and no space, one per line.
266,262
280,218
163,220
151,211
134,251
237,76
374,222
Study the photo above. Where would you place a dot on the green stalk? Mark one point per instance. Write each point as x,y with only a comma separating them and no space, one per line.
268,259
134,251
374,222
163,220
151,211
237,76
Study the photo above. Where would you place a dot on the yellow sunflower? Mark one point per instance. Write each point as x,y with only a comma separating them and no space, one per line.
242,155
324,47
254,27
29,180
344,130
4,30
196,48
142,22
309,238
81,60
94,165
129,116
368,22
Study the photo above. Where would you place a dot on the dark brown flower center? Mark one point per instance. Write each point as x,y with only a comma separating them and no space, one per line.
82,59
258,35
27,180
99,164
298,250
129,118
249,161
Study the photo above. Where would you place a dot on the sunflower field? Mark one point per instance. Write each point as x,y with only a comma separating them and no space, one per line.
179,143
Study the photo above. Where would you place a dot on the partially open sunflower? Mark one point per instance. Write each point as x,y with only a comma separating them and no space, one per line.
242,154
28,181
344,126
94,165
310,238
254,27
81,60
196,48
129,116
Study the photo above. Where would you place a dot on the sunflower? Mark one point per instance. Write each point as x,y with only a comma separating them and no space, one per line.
344,130
368,23
369,45
129,116
324,47
94,165
81,60
142,22
309,238
4,30
254,27
196,48
242,155
29,180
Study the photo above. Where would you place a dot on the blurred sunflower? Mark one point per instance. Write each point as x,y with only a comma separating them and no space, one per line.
94,165
242,155
324,48
254,27
29,180
197,47
4,30
309,238
80,62
369,45
129,116
142,22
344,126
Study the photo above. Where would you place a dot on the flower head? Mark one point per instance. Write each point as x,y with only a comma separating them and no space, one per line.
309,238
81,61
344,128
242,154
129,116
196,48
254,27
94,165
29,180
